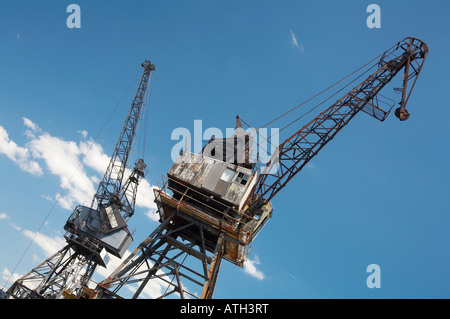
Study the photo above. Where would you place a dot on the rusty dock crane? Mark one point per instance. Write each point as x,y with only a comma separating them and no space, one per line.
212,205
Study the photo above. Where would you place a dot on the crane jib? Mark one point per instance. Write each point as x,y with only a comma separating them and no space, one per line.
112,182
296,151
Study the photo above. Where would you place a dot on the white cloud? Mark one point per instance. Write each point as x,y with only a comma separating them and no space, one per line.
83,133
62,159
36,259
16,227
30,124
49,245
154,288
68,160
71,162
295,42
47,197
8,277
145,199
19,155
251,269
153,215
94,156
4,216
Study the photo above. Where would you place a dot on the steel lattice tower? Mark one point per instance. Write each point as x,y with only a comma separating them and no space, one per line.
90,231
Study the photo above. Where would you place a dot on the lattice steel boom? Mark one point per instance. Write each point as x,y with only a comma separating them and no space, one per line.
296,151
90,231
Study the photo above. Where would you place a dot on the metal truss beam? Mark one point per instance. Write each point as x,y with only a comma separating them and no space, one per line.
169,260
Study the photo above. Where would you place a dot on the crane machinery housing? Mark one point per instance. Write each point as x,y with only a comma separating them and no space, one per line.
102,227
213,204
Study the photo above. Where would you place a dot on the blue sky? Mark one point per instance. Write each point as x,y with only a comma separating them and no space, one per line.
377,194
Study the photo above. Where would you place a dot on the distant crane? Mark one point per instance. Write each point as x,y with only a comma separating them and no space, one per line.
219,200
90,231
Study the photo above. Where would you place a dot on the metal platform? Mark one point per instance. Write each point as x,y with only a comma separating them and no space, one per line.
238,236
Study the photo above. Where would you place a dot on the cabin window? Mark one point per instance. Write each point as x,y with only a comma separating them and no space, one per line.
227,175
242,178
75,214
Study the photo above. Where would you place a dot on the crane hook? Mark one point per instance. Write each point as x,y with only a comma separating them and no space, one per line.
401,113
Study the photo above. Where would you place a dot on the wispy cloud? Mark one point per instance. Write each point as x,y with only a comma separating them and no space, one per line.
19,155
83,133
16,227
4,216
295,42
30,124
251,269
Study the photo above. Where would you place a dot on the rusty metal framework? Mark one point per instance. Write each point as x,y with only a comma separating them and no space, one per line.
183,254
192,227
161,257
196,231
296,151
